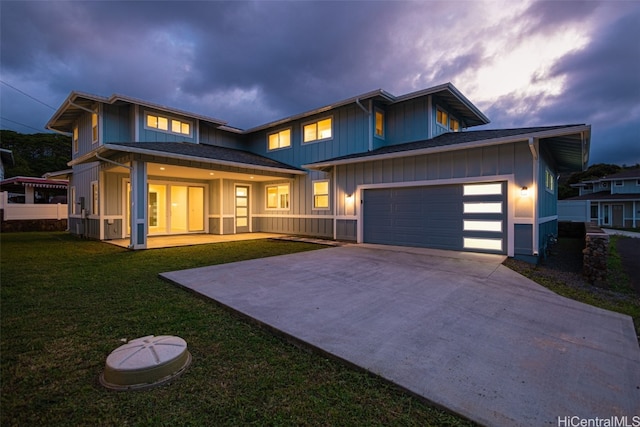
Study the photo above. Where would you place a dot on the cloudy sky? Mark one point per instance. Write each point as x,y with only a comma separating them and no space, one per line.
522,63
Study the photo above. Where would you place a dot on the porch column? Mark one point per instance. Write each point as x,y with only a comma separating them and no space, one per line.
139,204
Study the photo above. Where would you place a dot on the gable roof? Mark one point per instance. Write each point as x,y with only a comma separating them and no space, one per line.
460,105
35,182
568,145
203,153
625,174
79,102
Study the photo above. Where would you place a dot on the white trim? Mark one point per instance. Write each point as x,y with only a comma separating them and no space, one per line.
535,230
294,216
346,217
547,219
334,206
431,120
101,203
249,201
512,190
221,215
136,123
523,221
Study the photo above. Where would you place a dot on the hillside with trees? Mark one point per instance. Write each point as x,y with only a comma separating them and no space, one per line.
35,154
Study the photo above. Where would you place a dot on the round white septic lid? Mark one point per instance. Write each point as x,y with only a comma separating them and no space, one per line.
145,362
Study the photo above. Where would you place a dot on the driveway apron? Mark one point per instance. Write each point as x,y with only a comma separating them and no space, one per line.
458,329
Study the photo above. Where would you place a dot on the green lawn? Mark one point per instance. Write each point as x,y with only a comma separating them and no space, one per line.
67,303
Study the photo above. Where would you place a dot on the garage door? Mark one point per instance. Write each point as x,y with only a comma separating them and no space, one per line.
462,217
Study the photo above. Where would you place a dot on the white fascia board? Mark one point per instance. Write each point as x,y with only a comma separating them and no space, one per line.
372,94
451,89
136,150
453,147
116,97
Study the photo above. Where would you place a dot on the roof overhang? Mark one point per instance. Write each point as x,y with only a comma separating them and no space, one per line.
107,150
459,105
570,145
28,181
78,103
379,95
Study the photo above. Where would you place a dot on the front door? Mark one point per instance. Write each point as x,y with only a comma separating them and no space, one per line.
242,209
618,220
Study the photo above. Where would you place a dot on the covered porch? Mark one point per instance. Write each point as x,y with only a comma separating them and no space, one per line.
172,194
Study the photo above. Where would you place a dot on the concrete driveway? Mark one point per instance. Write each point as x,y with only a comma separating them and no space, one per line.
460,330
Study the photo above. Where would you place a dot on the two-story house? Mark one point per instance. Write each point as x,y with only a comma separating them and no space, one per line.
374,168
612,201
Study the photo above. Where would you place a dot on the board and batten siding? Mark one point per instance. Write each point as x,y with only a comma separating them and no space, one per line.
301,217
117,123
470,165
407,122
150,135
350,135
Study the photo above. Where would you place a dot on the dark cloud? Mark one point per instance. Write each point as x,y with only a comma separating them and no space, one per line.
253,62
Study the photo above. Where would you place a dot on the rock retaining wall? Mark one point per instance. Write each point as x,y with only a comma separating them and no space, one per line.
595,255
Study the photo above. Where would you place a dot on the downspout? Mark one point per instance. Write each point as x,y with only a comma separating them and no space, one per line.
536,168
368,113
335,202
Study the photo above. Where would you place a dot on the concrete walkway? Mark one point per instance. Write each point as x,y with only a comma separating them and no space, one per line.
612,231
460,330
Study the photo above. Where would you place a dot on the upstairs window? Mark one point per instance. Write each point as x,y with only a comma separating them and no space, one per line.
442,118
317,131
161,123
549,181
379,124
76,144
454,125
94,127
280,139
278,196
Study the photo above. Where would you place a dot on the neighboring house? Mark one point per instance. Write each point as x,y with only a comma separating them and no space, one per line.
612,201
375,168
33,204
31,190
6,158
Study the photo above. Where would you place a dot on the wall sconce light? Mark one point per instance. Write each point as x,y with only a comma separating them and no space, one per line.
349,198
524,192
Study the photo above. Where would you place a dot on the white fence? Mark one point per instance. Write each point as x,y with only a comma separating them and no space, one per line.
15,211
574,210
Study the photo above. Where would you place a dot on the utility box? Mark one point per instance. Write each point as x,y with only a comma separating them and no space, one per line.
112,229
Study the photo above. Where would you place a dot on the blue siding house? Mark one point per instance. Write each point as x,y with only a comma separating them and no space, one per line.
374,168
610,201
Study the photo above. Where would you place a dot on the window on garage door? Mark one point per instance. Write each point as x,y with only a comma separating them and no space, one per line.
483,216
